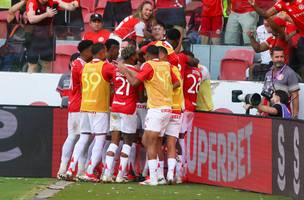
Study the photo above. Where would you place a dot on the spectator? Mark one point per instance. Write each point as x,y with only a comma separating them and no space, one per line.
276,40
112,47
98,34
41,42
127,42
158,31
293,8
12,52
134,26
242,19
260,69
115,11
69,23
194,26
212,21
282,77
170,12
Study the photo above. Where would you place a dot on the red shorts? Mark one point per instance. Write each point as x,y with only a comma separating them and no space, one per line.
212,26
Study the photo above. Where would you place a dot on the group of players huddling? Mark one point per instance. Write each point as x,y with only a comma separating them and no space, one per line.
153,88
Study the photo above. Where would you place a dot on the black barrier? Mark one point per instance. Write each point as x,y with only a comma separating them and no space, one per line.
26,141
288,158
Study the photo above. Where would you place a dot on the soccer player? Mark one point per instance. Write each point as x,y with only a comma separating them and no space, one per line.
94,119
112,50
192,80
173,129
159,82
84,47
123,119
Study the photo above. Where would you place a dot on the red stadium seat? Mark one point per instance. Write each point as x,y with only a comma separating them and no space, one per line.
235,64
135,4
63,54
3,15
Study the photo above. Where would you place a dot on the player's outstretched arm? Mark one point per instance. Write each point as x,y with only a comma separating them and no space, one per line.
129,74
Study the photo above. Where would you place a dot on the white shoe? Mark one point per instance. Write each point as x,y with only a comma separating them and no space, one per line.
148,182
121,180
179,180
106,179
162,181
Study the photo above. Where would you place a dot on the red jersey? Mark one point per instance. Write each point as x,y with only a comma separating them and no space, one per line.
212,8
40,9
168,3
292,35
241,6
295,10
75,87
276,41
125,95
183,63
172,56
117,1
265,4
101,36
192,80
130,27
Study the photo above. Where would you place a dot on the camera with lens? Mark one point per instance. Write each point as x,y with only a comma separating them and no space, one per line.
252,99
267,94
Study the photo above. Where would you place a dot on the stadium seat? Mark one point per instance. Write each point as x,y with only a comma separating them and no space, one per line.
135,4
235,64
3,15
63,54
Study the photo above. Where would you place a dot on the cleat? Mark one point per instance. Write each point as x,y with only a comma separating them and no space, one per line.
162,181
179,180
121,180
89,178
70,175
148,182
171,182
106,179
61,176
140,178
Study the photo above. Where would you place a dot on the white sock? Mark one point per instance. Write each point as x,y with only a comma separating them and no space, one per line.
83,158
126,149
153,170
67,150
179,167
89,153
182,145
96,153
160,170
104,151
171,167
110,159
79,149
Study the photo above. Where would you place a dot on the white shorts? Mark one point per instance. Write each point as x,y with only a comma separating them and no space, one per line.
141,112
123,122
95,123
74,123
157,120
174,125
187,121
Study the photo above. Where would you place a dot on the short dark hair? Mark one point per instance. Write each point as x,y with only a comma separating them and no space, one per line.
283,96
159,23
153,50
130,41
96,48
128,51
111,42
162,50
276,48
74,56
144,42
173,34
84,44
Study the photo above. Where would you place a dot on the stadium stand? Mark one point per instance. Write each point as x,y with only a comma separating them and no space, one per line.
63,54
235,64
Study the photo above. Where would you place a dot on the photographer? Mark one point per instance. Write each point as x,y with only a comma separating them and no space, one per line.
281,77
278,108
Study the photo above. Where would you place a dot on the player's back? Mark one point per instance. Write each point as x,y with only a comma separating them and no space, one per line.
159,88
125,95
95,88
192,80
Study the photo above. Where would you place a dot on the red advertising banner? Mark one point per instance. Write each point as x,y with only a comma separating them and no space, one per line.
231,151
